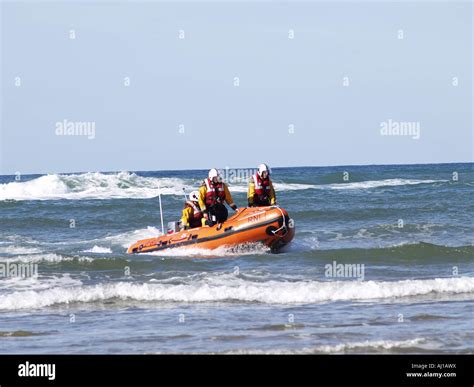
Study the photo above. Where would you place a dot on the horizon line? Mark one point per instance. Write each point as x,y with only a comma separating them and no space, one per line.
278,167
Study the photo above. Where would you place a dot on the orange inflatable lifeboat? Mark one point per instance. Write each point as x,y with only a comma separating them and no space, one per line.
269,225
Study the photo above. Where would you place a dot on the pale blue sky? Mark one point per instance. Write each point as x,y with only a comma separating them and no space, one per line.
282,81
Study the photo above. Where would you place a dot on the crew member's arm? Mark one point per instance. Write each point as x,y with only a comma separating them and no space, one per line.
228,198
272,194
186,216
202,199
251,192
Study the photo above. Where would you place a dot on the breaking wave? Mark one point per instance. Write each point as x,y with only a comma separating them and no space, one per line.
124,185
231,288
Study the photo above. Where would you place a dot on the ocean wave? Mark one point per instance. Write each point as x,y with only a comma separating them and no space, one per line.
125,185
391,252
44,257
229,288
379,183
9,249
16,286
368,184
376,346
36,258
279,186
127,238
98,250
93,186
124,240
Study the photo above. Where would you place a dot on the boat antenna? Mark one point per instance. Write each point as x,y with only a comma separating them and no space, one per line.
161,212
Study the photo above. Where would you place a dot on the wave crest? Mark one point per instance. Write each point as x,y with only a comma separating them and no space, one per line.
225,288
123,185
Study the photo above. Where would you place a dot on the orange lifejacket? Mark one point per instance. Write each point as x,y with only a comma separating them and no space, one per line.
195,221
261,189
215,193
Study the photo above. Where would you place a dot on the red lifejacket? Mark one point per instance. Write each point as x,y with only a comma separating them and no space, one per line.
262,187
215,193
195,221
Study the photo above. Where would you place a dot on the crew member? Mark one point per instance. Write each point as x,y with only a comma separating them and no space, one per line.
261,192
212,195
192,215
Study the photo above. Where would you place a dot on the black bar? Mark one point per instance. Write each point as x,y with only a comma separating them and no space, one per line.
317,370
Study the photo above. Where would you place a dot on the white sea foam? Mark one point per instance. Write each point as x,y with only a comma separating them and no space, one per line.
308,243
127,238
35,258
220,288
130,185
99,250
221,251
16,286
351,347
43,257
379,183
378,344
93,186
123,239
9,249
